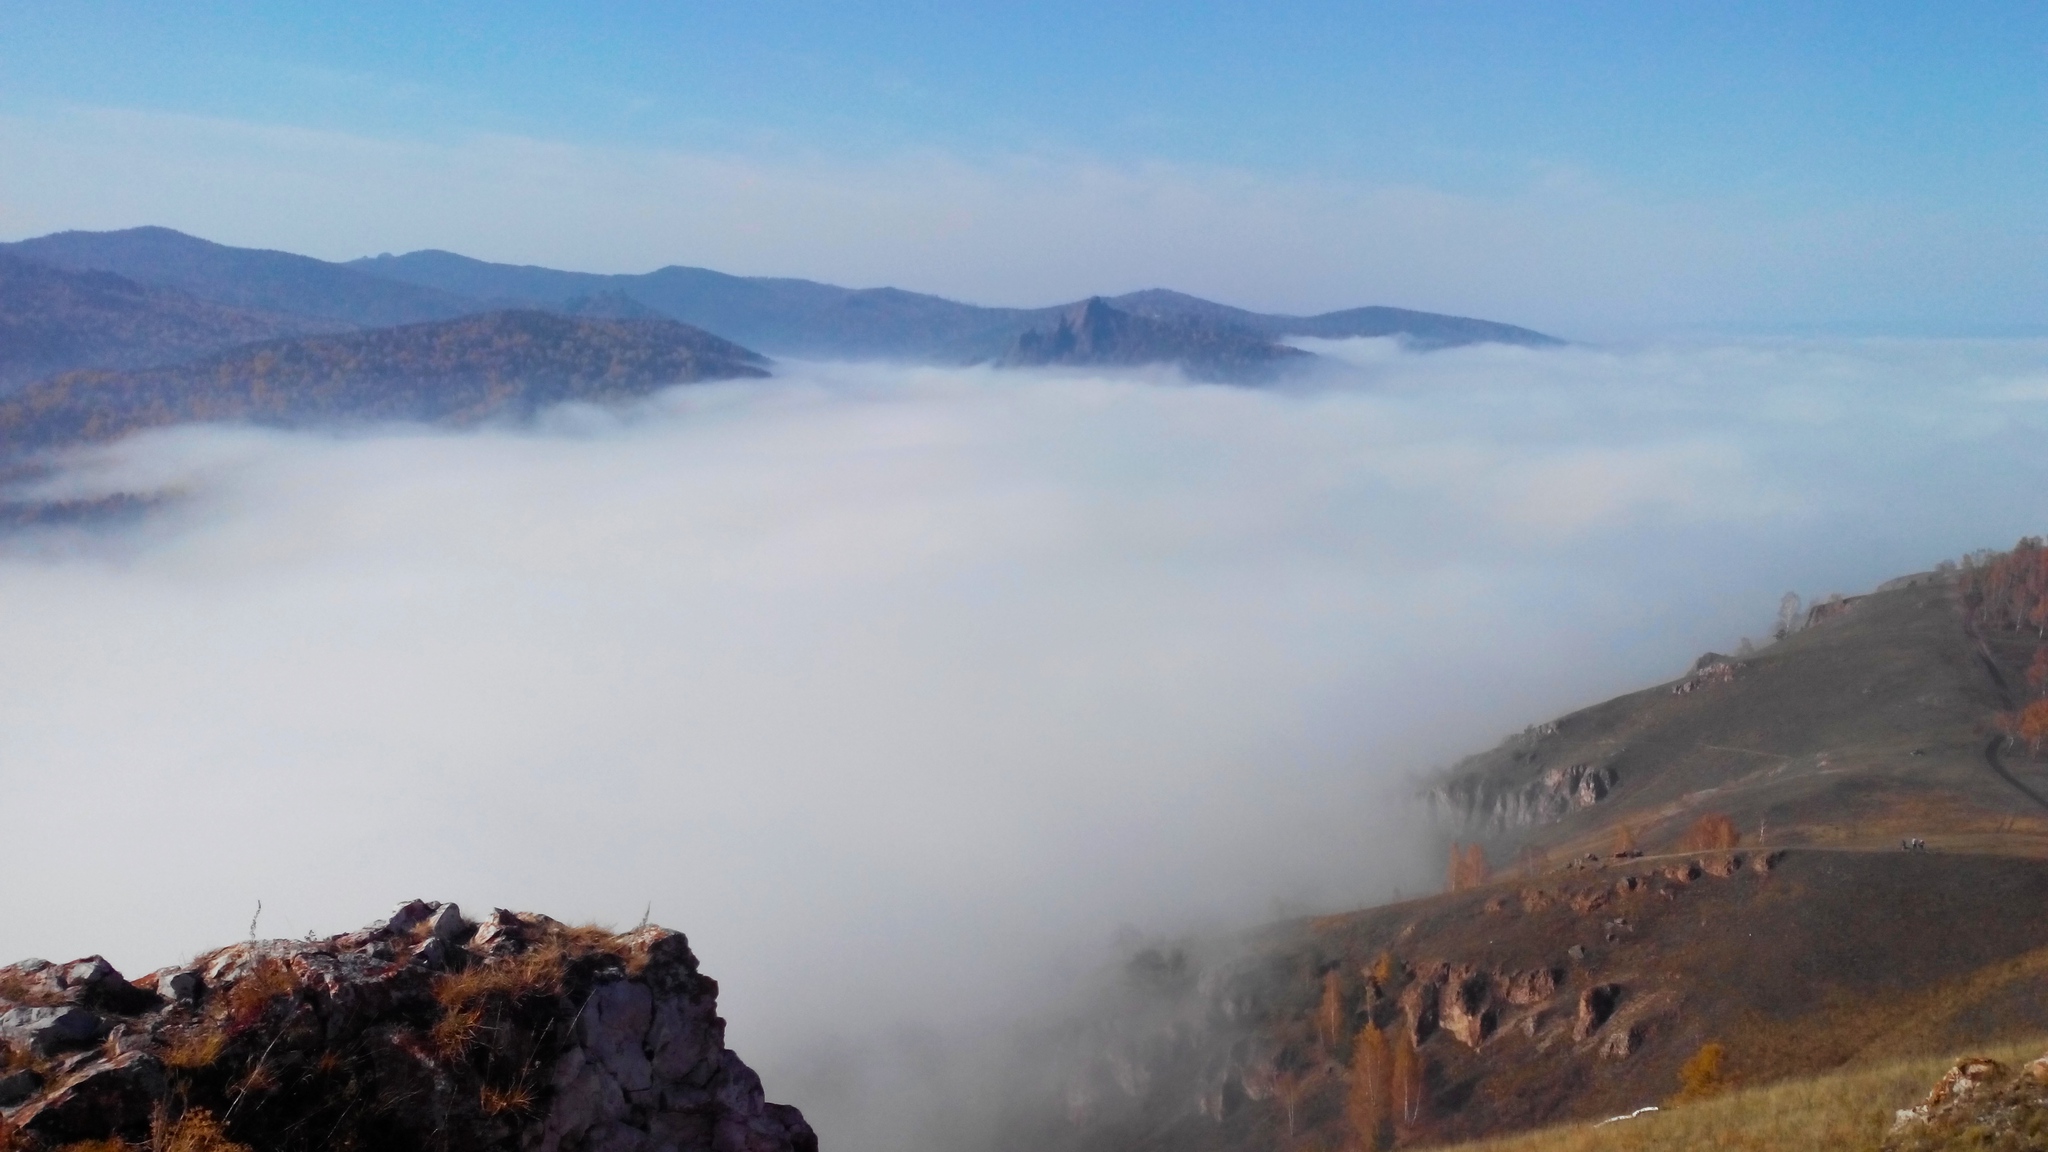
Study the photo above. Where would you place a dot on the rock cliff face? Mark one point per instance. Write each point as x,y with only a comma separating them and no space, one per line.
423,1031
1491,807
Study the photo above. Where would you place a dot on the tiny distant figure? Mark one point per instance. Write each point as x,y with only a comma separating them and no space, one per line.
1914,844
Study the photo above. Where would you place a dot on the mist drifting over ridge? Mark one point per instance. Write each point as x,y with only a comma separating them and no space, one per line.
901,690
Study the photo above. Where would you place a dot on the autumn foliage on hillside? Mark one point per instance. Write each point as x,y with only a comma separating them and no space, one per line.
55,320
1714,831
1469,868
2008,593
458,371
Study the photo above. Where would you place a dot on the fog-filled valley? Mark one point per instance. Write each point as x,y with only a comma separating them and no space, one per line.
915,695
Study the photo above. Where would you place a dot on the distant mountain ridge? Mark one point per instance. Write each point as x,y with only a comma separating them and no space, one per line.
252,278
147,326
805,318
53,320
459,371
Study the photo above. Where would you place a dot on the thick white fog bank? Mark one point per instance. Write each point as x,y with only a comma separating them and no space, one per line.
902,690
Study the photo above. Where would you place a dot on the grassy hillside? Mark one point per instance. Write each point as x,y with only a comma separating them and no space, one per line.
464,370
1873,724
1849,1110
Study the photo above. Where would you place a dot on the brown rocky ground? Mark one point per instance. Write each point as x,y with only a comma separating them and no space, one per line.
424,1031
1576,994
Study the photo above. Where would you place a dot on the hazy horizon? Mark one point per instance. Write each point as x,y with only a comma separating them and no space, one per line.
1612,174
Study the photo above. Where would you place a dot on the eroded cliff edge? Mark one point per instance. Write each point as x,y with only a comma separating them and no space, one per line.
423,1031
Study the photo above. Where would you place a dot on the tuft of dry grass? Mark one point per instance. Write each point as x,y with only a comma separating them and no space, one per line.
251,996
538,970
1846,1111
19,987
196,1049
454,1031
13,1058
195,1131
516,1099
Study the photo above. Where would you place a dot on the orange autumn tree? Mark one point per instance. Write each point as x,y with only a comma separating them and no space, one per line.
2009,592
2032,726
1711,832
1330,1013
1407,1079
1368,1105
1469,868
1291,1086
1703,1075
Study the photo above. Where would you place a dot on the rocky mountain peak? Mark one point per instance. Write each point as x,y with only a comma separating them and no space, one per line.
424,1030
1094,333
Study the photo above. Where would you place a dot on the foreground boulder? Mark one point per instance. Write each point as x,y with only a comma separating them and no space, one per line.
1979,1103
423,1031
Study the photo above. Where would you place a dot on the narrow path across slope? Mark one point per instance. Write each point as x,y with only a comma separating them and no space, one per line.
1998,766
2005,696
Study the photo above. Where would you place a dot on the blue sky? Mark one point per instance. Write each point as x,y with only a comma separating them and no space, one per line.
1835,167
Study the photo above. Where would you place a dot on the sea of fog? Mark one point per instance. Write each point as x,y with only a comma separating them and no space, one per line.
908,692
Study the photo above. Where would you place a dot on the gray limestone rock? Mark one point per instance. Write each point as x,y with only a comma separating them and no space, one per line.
50,1028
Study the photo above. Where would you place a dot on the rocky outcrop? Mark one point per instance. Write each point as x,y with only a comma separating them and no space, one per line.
1978,1103
1596,1004
423,1031
1466,1009
1708,676
1489,806
1420,1002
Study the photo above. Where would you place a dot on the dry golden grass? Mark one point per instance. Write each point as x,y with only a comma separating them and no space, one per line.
537,971
196,1049
249,997
455,1029
1846,1111
496,1101
22,988
195,1131
12,1058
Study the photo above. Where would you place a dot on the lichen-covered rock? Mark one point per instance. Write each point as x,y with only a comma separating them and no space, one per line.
1978,1103
423,1031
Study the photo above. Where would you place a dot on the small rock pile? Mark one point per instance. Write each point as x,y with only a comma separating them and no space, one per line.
1978,1104
424,1031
